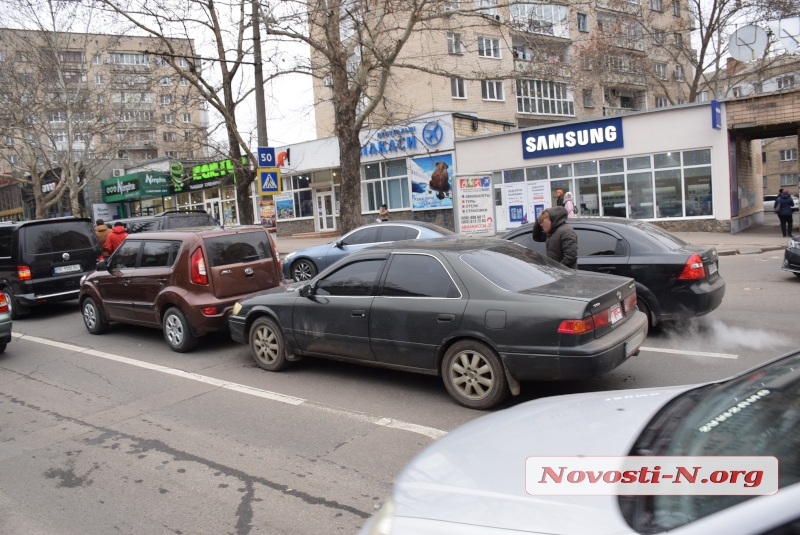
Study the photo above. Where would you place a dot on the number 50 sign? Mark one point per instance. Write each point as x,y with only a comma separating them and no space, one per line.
266,157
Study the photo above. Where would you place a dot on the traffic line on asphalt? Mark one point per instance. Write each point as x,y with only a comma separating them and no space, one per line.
692,353
430,432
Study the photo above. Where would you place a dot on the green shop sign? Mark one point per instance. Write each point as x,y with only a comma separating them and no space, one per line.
136,186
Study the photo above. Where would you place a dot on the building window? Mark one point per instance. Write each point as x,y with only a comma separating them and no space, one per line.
737,92
661,70
678,40
170,136
789,180
187,117
676,9
662,102
681,101
185,99
588,98
541,18
785,82
181,62
657,5
56,116
385,183
658,37
165,81
458,88
9,141
583,22
492,90
128,59
787,155
488,47
97,59
763,157
702,96
122,155
489,7
98,79
455,45
166,100
679,73
586,63
301,203
764,181
12,159
168,118
544,97
101,98
171,153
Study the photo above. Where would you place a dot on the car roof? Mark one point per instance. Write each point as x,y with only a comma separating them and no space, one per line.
419,224
204,232
447,244
50,220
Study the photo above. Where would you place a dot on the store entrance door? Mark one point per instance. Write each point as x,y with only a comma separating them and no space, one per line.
214,208
325,213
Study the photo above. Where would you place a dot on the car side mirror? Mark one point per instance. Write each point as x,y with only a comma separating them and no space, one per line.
339,244
102,266
307,291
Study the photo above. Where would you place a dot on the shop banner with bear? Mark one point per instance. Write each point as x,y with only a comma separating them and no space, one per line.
431,182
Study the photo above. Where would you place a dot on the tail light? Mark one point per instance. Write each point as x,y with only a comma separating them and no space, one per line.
577,326
693,269
100,258
209,311
629,302
3,304
23,273
199,275
275,253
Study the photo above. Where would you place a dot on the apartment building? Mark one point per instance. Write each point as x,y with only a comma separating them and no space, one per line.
537,63
105,101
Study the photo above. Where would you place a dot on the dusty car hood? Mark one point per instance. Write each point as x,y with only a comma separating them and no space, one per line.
476,474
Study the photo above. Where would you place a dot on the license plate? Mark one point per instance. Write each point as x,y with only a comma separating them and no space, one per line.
712,268
67,269
615,314
634,343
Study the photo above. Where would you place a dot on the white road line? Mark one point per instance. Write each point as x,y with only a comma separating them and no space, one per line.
692,353
430,432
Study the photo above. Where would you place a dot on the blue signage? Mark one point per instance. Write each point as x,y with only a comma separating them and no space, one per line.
716,115
432,134
266,157
569,139
269,182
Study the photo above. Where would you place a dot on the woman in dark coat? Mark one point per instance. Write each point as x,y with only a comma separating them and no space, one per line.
783,207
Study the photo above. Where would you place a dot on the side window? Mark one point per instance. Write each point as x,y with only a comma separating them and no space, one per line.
125,256
6,239
360,237
526,240
594,243
417,275
155,254
356,279
397,233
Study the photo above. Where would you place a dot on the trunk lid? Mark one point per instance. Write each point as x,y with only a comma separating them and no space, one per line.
55,251
240,263
710,259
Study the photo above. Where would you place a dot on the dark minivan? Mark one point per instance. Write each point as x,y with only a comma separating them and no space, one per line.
43,261
171,219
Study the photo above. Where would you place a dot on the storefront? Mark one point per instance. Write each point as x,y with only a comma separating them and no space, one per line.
408,167
136,194
668,166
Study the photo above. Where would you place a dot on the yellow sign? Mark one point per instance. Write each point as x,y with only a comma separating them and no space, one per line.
269,180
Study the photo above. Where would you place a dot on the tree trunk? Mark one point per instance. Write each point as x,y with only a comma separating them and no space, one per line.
350,158
39,201
74,201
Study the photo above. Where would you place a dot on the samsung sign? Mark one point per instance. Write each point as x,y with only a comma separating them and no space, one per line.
583,137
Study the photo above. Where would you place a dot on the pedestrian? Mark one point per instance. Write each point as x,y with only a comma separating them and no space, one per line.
383,214
783,207
102,231
560,198
569,205
562,243
116,237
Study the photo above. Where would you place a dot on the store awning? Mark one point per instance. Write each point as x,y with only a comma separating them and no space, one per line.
136,186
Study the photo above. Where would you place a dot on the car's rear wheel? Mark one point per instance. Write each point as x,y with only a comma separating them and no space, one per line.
177,331
14,308
473,375
267,345
93,317
303,270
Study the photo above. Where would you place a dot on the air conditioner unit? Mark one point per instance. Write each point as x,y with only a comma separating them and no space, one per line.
118,172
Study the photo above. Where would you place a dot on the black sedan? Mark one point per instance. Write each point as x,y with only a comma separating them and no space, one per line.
483,314
791,257
674,279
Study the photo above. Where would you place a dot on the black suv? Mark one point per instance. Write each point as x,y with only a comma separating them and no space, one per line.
43,261
170,219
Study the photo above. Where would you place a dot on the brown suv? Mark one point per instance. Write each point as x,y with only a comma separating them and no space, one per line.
185,281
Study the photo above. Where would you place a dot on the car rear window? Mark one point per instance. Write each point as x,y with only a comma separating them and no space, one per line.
515,268
237,248
58,237
187,221
659,236
134,227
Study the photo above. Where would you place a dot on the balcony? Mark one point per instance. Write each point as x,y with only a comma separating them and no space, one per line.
611,111
547,69
623,6
138,144
626,78
630,43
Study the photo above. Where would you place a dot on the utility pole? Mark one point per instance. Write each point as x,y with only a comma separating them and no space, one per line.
261,109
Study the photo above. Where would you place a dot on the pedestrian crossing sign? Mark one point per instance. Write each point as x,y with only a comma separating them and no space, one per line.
269,181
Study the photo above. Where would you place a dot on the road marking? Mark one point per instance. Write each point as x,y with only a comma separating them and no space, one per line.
693,353
430,432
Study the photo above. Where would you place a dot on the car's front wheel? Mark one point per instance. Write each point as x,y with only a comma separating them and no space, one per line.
267,345
177,331
473,375
303,270
93,317
14,308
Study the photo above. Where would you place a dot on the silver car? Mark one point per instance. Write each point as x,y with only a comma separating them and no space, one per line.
5,323
473,480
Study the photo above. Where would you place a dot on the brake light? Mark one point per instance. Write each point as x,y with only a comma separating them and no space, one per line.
199,275
601,318
3,304
693,269
577,326
100,258
629,303
23,273
209,311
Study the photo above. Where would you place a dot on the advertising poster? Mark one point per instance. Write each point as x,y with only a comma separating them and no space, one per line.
538,198
284,206
104,211
475,206
516,209
267,214
431,182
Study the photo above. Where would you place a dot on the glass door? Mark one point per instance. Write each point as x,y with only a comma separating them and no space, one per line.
325,211
214,208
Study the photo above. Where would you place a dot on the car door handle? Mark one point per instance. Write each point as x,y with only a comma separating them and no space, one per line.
358,313
162,282
606,269
445,318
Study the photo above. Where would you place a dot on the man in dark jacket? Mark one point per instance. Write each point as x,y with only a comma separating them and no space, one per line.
562,242
783,207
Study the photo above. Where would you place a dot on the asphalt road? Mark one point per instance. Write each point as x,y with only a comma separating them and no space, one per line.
117,434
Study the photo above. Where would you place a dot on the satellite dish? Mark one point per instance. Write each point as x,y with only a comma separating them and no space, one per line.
748,43
788,31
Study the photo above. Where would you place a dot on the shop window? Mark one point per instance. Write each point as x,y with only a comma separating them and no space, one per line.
697,191
561,170
612,194
537,173
586,193
385,183
639,162
586,168
555,185
667,159
669,200
301,204
640,195
617,165
514,175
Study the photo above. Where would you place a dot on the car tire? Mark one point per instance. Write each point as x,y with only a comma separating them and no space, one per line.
473,375
178,332
3,348
642,306
796,274
303,270
14,308
267,345
93,318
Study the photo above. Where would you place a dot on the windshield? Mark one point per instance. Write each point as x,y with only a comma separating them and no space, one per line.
515,268
757,414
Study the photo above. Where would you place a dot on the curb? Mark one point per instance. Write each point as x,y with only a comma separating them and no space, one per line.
750,250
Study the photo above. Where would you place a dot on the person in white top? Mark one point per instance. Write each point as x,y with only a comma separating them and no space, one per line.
569,204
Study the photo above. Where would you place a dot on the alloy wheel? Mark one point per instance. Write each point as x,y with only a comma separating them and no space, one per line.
266,345
174,329
472,375
89,316
302,271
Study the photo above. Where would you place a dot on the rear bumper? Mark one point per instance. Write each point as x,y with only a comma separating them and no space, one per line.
33,298
791,260
203,324
696,299
236,327
582,362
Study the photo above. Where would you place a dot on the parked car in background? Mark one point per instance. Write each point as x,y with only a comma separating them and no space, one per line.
472,480
182,281
171,219
43,261
305,263
5,323
769,203
483,314
674,279
791,257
